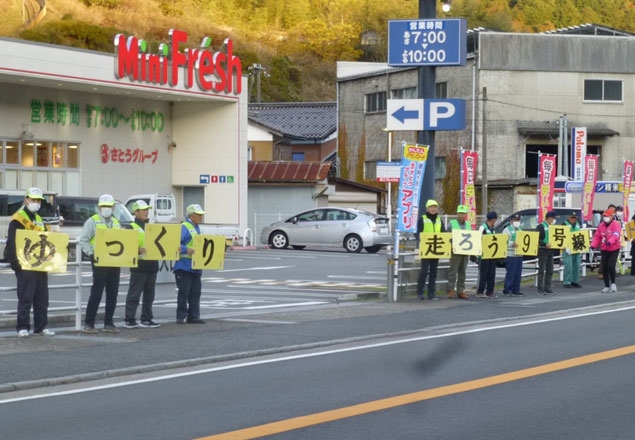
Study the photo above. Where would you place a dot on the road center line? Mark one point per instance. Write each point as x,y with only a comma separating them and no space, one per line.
420,396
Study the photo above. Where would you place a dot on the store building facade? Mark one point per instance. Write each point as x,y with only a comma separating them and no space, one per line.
79,122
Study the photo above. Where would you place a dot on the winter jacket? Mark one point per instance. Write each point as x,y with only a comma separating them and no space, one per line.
607,237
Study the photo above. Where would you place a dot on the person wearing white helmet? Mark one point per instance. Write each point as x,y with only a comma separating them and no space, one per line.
103,277
32,286
429,222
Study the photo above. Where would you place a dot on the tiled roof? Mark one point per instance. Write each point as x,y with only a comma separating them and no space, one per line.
298,120
288,172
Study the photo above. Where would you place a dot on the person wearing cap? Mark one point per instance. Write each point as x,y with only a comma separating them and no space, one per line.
458,263
608,239
487,268
513,262
545,255
429,222
188,280
143,278
32,286
103,277
571,261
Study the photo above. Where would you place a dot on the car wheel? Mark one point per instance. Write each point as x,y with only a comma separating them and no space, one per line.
353,243
298,248
279,240
373,249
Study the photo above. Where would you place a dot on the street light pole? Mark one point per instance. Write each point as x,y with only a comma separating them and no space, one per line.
389,198
426,89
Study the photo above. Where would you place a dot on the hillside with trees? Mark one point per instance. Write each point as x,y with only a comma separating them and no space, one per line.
296,41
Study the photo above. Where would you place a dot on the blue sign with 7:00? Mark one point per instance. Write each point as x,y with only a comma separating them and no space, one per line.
427,42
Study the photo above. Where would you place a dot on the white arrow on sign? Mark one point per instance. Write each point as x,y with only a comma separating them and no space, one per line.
404,114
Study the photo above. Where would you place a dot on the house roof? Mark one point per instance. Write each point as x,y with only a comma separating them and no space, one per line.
288,172
296,120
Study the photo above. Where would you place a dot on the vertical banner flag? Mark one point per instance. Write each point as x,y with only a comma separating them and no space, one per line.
468,177
413,164
588,189
578,153
546,182
626,187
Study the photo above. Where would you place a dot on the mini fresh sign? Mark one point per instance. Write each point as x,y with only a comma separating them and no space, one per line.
213,71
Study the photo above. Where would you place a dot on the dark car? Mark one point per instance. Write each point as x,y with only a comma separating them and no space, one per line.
529,219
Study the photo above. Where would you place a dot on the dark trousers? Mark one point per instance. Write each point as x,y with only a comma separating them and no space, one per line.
108,278
486,276
609,258
514,267
141,282
188,300
33,291
545,268
427,266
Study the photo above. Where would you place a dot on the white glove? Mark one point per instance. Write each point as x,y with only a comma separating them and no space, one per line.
568,251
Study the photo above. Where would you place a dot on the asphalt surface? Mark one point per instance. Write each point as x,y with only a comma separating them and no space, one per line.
72,356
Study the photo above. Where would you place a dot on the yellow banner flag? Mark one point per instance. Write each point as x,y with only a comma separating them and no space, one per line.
116,247
527,243
559,236
494,246
579,241
41,251
435,245
162,241
630,230
466,242
209,252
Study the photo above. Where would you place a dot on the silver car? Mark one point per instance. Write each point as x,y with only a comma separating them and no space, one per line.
351,228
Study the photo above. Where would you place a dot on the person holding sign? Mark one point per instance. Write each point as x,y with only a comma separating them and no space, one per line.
32,285
458,262
513,262
188,280
487,267
570,259
545,255
143,278
429,222
104,277
608,238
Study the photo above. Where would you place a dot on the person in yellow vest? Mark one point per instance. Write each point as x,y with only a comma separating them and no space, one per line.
458,263
545,256
429,222
32,285
103,277
143,278
513,262
487,268
188,280
571,261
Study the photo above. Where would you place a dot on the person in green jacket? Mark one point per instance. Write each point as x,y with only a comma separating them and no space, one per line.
570,260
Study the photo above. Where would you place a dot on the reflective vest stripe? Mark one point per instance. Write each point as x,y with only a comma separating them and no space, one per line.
101,225
192,230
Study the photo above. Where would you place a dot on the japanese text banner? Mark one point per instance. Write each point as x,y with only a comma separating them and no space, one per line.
413,163
434,245
469,160
209,252
546,181
116,247
41,251
494,246
628,179
162,241
588,189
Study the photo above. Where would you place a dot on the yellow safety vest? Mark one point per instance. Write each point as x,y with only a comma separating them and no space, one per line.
99,224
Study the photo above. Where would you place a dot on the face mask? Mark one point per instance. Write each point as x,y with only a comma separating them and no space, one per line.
606,219
515,224
618,214
33,207
106,212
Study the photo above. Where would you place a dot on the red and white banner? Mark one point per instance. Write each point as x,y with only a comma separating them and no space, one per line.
469,161
546,182
591,167
628,179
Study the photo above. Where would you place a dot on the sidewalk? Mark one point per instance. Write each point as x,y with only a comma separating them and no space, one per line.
72,356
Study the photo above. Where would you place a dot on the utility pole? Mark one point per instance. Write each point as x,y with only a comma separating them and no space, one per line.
484,161
256,70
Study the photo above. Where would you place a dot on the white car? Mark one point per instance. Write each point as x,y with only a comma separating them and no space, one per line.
350,228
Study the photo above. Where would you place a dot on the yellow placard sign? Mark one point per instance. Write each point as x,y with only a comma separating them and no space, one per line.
435,245
41,251
162,241
559,236
116,247
579,241
209,252
494,246
466,242
527,243
630,230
